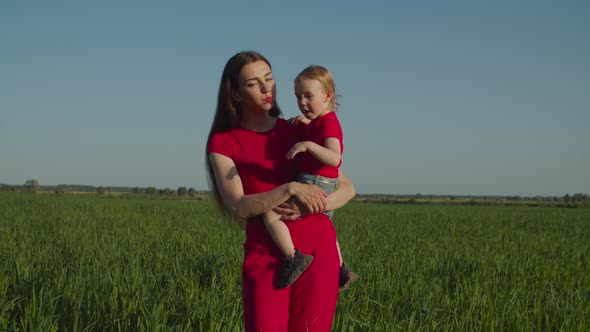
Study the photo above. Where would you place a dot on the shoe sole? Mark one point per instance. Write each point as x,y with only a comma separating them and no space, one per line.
297,273
353,277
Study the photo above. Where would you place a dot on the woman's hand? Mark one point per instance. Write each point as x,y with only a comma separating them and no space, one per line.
293,209
312,198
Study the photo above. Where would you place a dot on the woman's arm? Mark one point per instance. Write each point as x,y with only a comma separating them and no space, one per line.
343,194
243,206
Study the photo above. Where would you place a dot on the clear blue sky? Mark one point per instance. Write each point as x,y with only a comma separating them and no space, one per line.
438,97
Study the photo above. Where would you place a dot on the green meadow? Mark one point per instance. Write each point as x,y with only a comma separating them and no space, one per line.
88,263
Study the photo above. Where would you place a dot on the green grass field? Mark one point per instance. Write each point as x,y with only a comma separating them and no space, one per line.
84,263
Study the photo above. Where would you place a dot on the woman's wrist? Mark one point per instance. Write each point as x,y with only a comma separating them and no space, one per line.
291,188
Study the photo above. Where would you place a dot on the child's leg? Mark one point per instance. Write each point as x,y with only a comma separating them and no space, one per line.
339,252
279,233
295,262
347,276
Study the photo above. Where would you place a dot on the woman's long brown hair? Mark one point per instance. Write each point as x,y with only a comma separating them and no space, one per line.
228,112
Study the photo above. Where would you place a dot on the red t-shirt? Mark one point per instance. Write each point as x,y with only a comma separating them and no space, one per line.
317,131
260,159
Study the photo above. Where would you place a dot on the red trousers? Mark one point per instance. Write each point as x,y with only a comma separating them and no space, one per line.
307,305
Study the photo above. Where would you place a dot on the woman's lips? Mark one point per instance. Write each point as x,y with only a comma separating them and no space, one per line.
268,99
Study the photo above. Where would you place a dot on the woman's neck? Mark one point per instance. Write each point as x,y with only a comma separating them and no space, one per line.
259,122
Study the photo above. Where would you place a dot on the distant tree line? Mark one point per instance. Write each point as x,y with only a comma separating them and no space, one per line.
575,200
180,191
33,186
567,198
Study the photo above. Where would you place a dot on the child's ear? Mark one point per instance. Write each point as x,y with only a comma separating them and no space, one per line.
329,95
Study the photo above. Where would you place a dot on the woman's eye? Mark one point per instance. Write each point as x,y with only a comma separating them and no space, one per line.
251,85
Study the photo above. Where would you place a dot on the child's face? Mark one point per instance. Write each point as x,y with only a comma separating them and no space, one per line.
312,100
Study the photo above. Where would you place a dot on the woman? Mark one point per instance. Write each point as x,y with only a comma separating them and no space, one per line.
250,175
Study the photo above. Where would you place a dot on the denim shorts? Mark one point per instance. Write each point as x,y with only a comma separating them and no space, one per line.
326,184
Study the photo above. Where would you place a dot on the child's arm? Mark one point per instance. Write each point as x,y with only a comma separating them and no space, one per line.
329,154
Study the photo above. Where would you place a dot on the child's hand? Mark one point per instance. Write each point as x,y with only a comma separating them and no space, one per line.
299,119
290,210
298,148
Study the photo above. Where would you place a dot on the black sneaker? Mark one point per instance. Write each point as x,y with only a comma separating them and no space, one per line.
347,277
292,268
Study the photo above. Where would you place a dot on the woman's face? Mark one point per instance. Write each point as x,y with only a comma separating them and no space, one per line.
256,87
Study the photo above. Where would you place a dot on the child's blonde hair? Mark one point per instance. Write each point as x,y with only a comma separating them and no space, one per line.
326,79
